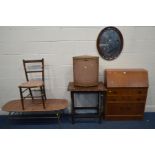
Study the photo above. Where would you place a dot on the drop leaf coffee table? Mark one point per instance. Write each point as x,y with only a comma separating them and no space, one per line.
33,106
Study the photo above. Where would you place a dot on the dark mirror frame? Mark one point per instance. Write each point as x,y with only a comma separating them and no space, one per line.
116,53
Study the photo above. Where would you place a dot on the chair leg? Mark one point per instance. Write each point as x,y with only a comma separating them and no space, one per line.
21,97
31,93
42,96
44,92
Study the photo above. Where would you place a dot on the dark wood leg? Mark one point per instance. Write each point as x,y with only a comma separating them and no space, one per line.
42,96
98,103
58,115
44,92
101,104
21,97
31,93
99,107
73,110
8,124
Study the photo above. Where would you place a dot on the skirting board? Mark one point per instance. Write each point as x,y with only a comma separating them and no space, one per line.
3,112
150,108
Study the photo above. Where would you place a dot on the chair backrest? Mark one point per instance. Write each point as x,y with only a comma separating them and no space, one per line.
33,66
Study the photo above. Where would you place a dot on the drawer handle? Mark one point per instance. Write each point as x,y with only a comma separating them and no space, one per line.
114,92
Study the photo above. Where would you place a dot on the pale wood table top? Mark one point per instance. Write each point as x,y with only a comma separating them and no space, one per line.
35,105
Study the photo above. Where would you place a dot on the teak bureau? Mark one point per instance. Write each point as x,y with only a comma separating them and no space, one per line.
126,93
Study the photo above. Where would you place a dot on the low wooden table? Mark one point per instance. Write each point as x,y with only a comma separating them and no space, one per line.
100,90
31,106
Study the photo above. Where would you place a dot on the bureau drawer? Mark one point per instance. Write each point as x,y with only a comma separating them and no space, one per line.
124,108
123,98
127,91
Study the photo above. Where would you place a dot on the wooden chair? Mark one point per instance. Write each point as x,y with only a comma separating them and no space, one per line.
31,67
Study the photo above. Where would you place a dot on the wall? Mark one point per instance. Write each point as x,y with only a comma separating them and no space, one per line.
58,45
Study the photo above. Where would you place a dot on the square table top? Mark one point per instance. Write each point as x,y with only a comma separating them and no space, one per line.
99,87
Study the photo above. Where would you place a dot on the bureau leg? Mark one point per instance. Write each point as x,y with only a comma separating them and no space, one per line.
73,109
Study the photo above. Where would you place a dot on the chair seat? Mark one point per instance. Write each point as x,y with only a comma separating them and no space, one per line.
32,84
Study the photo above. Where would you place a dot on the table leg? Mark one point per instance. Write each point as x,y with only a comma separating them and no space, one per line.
101,102
58,115
8,121
102,97
99,106
73,110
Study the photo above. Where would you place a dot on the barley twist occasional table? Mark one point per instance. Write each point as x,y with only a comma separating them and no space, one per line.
100,90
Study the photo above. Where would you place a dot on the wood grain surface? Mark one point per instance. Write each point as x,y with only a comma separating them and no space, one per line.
35,105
